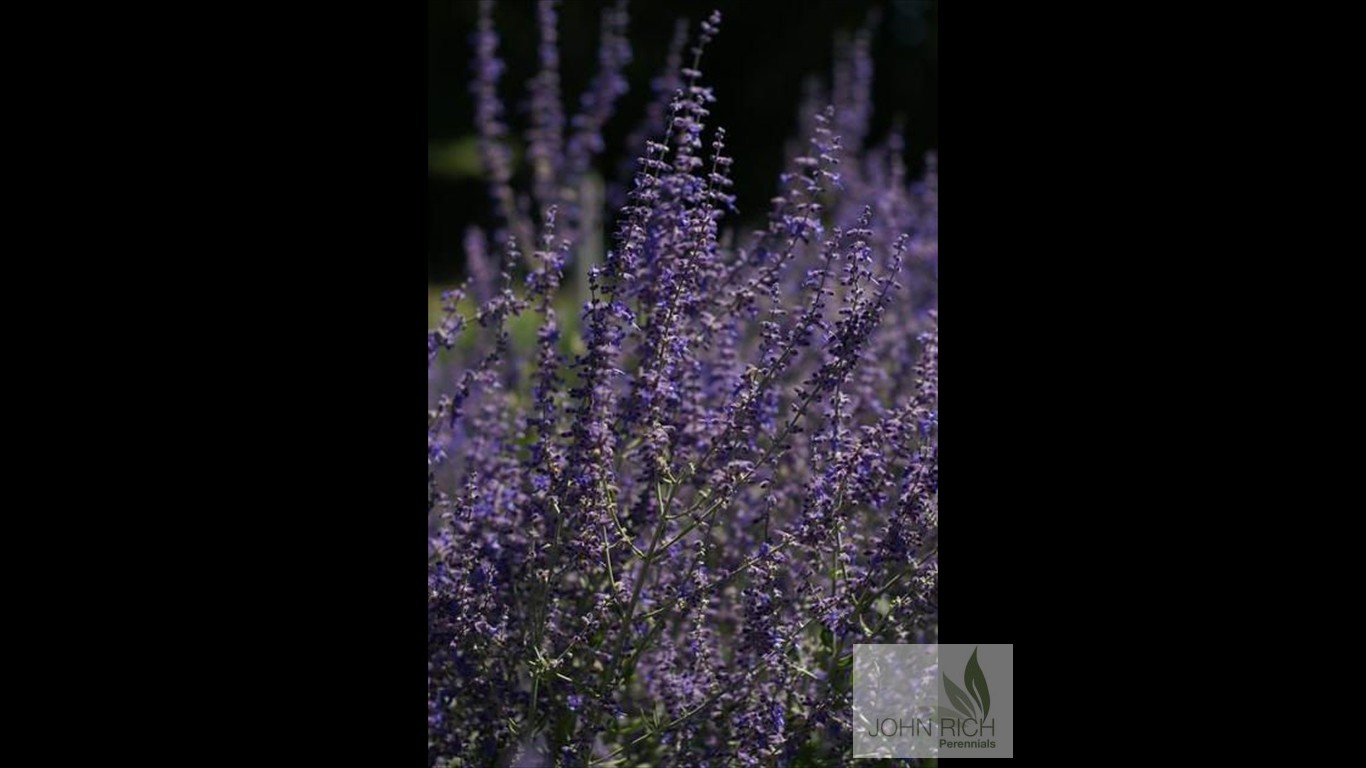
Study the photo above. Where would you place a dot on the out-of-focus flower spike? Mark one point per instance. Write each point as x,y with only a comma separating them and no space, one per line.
545,138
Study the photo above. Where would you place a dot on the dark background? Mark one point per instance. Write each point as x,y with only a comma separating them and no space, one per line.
757,66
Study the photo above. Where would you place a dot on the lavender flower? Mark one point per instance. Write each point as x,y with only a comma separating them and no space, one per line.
657,533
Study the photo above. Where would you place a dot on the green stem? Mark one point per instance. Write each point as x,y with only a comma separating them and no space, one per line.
650,555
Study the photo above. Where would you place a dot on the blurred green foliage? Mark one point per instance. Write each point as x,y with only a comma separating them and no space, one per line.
454,159
458,159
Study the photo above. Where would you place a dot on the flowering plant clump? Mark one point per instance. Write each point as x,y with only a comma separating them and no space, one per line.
658,532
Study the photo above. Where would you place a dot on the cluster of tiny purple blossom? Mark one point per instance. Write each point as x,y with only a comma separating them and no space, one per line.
657,542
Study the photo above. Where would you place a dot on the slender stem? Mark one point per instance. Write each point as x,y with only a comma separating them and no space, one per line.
650,555
607,555
621,530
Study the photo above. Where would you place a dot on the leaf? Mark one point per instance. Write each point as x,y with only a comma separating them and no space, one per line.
959,699
976,683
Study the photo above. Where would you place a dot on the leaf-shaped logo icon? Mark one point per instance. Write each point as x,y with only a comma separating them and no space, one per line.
976,683
959,699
